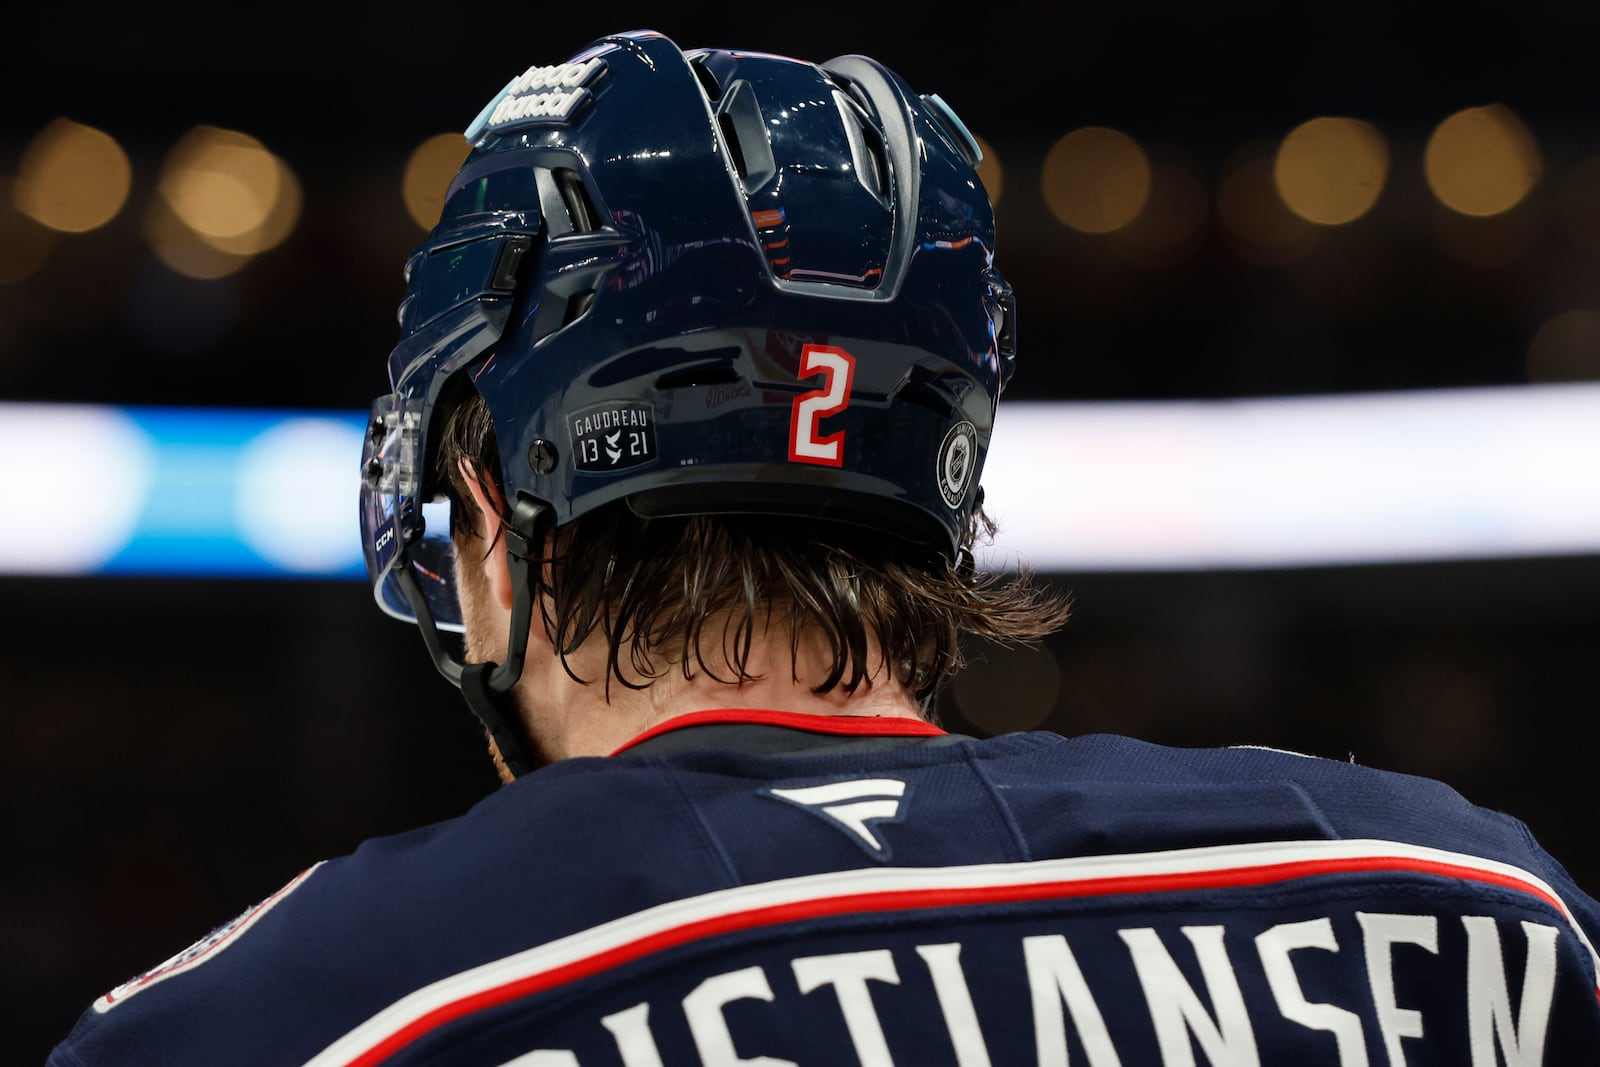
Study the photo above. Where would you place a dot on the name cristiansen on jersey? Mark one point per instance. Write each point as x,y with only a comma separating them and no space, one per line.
1466,989
1062,997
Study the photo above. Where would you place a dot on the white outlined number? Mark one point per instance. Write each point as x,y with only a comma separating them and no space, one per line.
838,369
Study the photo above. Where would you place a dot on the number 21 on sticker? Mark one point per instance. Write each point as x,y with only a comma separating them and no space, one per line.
838,370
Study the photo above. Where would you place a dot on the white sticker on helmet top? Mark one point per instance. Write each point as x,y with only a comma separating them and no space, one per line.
538,94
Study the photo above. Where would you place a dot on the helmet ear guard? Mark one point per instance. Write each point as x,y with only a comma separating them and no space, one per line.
702,282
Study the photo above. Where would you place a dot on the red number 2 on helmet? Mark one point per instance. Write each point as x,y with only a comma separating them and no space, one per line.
838,370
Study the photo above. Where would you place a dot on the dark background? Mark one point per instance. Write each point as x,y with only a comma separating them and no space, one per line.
173,750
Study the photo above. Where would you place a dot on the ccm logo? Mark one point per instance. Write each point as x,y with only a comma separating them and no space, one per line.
807,444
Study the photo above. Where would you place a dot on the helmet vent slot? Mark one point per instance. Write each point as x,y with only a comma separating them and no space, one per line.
735,155
557,309
576,306
710,373
867,152
849,85
932,394
576,197
745,131
708,80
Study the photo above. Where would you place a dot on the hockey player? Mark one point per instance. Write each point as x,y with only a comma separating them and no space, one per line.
696,378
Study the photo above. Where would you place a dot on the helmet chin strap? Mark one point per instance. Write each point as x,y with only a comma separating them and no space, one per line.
487,686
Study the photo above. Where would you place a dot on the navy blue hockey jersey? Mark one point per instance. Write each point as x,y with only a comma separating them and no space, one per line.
773,890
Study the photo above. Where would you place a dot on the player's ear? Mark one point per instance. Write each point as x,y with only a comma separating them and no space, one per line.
485,496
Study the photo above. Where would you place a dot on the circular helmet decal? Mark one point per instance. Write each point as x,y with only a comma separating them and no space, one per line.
958,457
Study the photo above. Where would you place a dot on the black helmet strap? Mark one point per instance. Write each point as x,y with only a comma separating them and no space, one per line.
487,686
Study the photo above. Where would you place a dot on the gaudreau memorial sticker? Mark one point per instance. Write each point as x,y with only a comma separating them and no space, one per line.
612,437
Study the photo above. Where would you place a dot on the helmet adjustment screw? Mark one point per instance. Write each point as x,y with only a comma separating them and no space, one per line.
542,456
373,474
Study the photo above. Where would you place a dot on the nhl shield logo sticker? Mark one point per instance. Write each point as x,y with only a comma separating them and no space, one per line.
958,457
613,437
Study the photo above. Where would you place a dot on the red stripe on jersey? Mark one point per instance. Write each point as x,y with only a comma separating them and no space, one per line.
913,899
855,725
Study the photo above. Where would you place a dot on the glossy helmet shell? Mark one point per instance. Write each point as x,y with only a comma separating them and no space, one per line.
717,281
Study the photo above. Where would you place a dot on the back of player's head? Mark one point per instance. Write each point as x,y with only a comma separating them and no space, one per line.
701,282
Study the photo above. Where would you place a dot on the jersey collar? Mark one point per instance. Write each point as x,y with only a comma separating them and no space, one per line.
837,725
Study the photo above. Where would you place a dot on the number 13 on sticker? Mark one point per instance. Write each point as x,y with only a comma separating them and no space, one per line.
838,370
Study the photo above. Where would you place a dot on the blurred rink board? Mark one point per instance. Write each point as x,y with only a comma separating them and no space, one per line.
179,491
1304,481
1103,486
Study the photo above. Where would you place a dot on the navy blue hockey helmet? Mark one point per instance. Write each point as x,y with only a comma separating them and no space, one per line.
703,281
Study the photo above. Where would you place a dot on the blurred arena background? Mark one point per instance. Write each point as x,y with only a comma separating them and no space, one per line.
1310,343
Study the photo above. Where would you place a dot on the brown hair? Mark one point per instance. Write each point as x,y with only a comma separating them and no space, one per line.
650,585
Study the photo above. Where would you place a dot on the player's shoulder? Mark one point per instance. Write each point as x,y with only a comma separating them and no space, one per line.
1118,757
354,932
1222,790
205,1000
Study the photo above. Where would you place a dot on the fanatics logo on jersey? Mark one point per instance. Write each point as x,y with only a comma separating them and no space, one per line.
851,806
613,437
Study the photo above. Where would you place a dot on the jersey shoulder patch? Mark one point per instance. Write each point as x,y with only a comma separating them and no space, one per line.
202,950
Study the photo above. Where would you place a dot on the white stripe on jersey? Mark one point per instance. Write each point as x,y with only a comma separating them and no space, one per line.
901,889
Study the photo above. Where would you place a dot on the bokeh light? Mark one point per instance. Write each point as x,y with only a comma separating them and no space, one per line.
428,172
221,184
73,178
1172,225
275,228
1096,179
1330,170
1481,160
1566,348
1258,226
182,250
24,243
59,443
290,483
223,198
990,172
